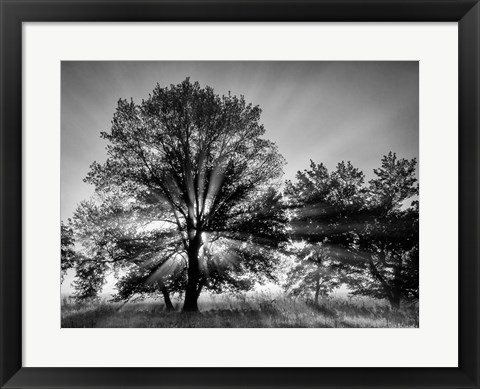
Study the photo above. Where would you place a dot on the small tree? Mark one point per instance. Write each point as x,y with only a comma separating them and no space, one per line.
89,280
313,273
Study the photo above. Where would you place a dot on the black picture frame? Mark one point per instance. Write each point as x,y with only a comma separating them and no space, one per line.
14,12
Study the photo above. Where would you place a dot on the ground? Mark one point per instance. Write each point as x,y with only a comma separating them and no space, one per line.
259,310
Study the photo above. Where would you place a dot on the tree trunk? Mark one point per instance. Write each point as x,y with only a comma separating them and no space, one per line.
395,301
191,291
392,293
200,287
166,298
317,290
397,282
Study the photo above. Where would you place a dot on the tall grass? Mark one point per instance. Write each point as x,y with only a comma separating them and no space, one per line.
245,311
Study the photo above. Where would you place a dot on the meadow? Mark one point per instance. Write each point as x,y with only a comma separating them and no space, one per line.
258,310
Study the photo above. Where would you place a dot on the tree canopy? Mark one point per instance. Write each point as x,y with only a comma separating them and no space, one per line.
193,167
370,231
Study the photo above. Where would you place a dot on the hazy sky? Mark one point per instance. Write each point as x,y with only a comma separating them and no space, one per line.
325,111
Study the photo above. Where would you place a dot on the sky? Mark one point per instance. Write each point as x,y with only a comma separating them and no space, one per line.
324,111
321,110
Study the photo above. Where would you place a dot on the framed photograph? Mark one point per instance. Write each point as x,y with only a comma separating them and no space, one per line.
240,194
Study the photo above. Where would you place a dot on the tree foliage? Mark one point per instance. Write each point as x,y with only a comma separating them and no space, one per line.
390,236
67,251
370,230
193,166
313,273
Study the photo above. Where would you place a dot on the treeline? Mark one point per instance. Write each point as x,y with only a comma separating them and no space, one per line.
190,199
365,236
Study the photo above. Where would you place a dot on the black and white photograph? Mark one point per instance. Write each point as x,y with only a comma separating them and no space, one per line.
247,194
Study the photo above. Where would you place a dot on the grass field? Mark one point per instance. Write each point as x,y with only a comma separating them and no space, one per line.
258,310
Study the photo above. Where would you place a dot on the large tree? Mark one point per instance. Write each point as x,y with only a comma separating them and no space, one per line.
201,164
